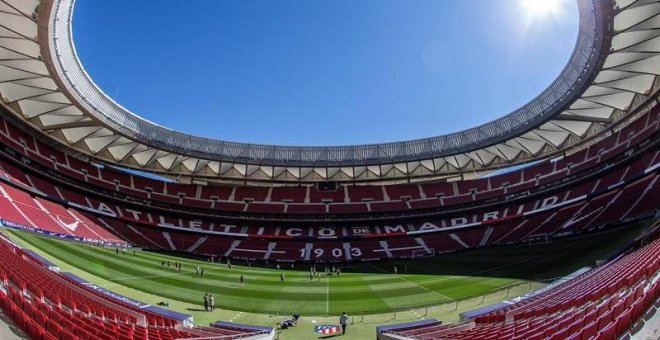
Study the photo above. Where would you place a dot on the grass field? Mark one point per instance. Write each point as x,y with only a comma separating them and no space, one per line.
361,288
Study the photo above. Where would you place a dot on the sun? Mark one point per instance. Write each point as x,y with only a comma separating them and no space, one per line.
536,8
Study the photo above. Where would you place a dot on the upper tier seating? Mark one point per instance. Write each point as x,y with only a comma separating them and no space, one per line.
364,198
19,207
289,194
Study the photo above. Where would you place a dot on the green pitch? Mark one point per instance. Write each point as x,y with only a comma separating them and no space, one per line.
360,289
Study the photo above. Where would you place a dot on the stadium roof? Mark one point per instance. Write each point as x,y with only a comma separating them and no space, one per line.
612,72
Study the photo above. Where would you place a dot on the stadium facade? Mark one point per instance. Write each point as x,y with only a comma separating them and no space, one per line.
611,73
592,135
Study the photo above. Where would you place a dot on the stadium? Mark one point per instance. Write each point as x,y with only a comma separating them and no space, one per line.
540,224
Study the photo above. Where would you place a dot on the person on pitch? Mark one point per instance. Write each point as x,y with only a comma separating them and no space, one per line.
343,321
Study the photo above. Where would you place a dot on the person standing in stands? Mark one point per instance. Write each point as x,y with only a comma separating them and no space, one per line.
206,302
343,321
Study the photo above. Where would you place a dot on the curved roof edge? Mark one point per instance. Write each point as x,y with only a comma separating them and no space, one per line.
548,103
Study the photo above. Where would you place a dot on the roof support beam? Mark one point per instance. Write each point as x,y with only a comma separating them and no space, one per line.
576,118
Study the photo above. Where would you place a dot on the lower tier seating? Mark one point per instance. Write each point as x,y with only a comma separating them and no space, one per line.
602,303
47,305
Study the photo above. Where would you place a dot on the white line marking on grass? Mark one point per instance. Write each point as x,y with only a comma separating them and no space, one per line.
428,290
327,295
444,277
138,278
235,316
414,283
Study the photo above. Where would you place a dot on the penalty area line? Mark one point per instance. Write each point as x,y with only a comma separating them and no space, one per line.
428,290
414,283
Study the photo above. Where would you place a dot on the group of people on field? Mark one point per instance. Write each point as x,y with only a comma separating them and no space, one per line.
329,271
168,264
209,299
209,302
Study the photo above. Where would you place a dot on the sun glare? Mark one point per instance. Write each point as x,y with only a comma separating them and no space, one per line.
541,7
536,8
535,12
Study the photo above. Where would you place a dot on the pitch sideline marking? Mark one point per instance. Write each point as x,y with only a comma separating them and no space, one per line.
415,312
139,277
327,295
235,316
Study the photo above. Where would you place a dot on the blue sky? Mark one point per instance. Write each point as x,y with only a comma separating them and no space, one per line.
322,72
